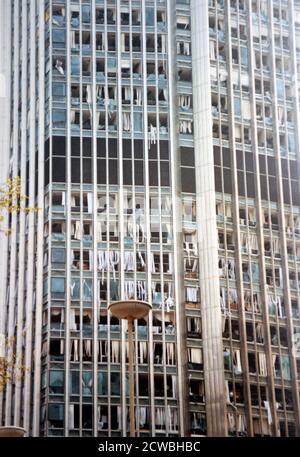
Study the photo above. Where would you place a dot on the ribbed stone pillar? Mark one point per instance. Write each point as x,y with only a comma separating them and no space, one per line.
206,218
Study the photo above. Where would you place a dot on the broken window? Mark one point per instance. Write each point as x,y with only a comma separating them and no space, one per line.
56,415
136,42
99,16
252,362
56,349
198,423
196,391
58,230
183,22
193,327
58,15
56,382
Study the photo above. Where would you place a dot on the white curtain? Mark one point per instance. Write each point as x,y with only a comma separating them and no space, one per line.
212,53
262,364
90,202
71,417
195,355
246,111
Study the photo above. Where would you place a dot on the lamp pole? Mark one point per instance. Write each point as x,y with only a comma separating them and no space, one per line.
131,378
130,310
12,432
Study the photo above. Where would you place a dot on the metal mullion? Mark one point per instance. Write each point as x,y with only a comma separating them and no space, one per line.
108,333
239,280
160,223
256,350
95,202
108,363
136,415
121,203
50,213
176,222
68,219
47,304
271,261
259,228
260,405
278,350
282,381
81,339
296,85
107,222
231,345
216,40
31,225
123,229
22,216
13,255
40,225
137,410
291,205
147,212
285,268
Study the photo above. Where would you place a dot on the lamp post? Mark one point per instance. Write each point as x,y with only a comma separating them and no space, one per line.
130,310
12,432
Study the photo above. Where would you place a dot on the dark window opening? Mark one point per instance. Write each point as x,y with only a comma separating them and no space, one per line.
58,169
188,183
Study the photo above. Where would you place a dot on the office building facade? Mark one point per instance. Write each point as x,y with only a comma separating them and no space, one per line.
159,140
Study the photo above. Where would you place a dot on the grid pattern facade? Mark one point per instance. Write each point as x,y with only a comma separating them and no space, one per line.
160,141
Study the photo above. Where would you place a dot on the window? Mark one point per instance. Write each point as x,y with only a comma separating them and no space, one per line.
102,383
56,415
59,118
285,367
244,56
74,382
183,22
58,38
58,255
237,106
188,180
115,383
87,383
58,285
150,16
56,382
75,65
58,16
58,169
111,65
58,89
137,121
86,289
86,13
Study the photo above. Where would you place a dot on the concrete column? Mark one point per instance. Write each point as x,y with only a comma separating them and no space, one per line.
207,228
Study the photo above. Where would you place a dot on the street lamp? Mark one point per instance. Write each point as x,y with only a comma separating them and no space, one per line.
12,432
130,310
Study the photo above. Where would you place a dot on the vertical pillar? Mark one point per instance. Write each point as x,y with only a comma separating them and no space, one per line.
206,220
